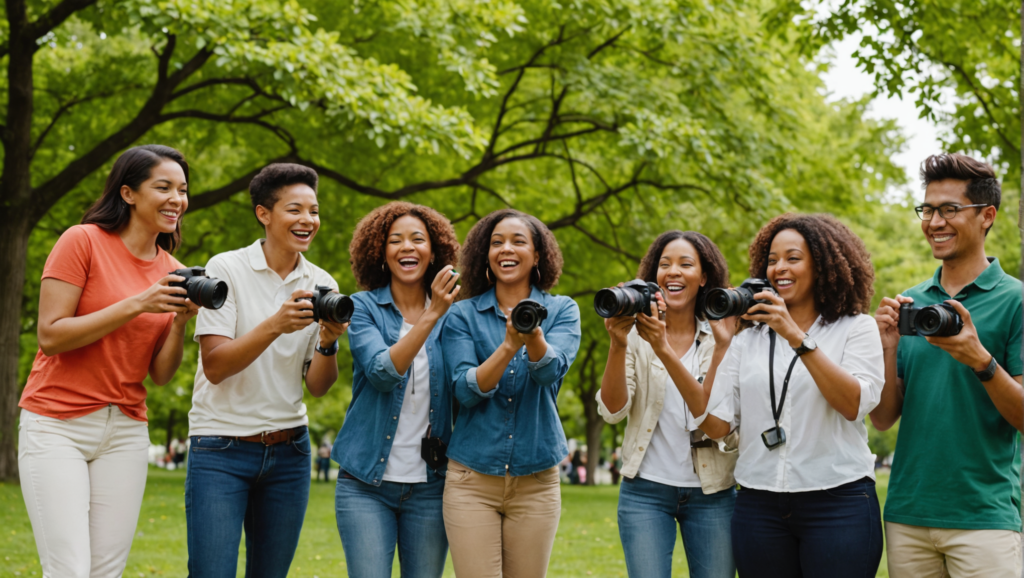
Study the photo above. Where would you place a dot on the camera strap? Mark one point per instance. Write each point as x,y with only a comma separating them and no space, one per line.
777,413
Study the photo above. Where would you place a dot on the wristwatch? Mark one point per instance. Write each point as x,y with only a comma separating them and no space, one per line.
806,346
989,372
327,352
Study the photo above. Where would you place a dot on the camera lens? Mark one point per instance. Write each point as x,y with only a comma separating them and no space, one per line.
335,307
721,303
207,292
937,321
527,315
618,301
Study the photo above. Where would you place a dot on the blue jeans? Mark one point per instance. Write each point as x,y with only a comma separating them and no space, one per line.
648,514
233,484
835,532
372,519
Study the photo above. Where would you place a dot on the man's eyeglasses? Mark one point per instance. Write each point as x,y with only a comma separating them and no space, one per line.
948,211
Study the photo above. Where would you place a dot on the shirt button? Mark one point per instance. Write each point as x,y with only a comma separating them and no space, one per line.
648,430
510,399
394,417
431,411
389,437
382,459
641,449
509,437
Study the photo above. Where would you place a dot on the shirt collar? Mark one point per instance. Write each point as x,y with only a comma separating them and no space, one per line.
382,295
988,279
258,261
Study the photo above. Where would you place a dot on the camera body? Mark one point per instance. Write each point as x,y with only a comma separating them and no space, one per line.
720,302
330,306
632,298
939,320
202,290
527,315
773,438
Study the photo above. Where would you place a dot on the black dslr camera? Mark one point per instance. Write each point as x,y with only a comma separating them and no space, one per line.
720,303
202,290
939,320
330,306
527,315
632,298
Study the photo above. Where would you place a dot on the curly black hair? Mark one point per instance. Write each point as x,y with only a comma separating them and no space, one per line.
369,243
712,262
475,262
845,277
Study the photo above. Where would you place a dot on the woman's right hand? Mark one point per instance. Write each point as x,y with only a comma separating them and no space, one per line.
513,339
618,329
444,291
724,330
162,298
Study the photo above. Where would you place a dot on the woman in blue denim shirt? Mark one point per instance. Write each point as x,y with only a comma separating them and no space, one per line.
387,494
502,498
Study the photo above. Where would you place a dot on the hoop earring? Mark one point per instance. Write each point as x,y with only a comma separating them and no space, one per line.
383,267
487,273
536,269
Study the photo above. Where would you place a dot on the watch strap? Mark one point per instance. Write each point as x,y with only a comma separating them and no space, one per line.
332,350
803,348
989,372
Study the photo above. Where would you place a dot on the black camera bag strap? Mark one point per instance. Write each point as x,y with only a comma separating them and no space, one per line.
777,413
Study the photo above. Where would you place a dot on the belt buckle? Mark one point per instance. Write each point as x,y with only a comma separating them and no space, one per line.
263,441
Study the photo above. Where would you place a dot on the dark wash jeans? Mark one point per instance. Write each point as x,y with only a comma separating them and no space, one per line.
833,533
233,484
373,519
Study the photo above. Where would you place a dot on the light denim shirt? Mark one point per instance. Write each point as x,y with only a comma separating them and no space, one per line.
364,444
513,428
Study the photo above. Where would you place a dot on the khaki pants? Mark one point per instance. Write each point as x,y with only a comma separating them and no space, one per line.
501,526
919,552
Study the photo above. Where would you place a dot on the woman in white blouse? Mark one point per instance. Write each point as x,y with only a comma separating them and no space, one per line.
807,504
653,377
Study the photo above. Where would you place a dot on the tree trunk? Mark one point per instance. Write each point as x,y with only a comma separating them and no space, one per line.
593,424
14,232
170,430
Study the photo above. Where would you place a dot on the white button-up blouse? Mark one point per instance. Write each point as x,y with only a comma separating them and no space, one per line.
823,449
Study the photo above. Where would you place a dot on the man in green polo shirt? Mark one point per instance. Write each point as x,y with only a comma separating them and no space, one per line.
953,505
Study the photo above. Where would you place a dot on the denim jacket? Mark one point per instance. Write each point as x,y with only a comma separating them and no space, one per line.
513,428
364,443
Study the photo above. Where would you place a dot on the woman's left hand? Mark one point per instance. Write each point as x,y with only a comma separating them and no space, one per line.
775,315
651,328
181,318
330,332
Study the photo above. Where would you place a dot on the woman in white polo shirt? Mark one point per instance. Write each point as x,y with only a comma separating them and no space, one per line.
800,384
653,376
249,462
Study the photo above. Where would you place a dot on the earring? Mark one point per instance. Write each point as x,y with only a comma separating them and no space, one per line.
487,273
536,269
431,259
383,267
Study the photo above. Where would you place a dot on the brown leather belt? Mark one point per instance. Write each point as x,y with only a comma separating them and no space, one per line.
272,438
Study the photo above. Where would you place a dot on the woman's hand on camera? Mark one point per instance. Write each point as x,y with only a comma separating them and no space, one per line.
774,314
724,330
513,339
182,318
653,329
162,298
330,332
443,291
618,329
296,313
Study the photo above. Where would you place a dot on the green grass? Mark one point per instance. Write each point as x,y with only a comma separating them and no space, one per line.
587,542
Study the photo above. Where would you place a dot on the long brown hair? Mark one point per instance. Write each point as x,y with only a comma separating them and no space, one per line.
131,169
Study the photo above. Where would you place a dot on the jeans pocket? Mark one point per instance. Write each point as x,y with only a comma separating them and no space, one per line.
210,443
850,490
548,477
301,444
457,473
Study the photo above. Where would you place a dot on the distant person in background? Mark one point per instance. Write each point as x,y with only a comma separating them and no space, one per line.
323,461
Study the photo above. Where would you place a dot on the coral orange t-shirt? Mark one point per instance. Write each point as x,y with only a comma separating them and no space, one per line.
111,370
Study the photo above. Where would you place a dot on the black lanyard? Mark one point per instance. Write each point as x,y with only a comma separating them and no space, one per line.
777,414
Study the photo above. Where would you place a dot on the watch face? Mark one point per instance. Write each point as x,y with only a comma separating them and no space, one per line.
809,343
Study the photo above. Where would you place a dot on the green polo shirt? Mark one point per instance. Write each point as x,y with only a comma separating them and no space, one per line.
957,460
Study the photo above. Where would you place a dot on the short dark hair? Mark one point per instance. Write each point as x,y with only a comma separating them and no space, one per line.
265,186
712,263
982,185
131,169
474,258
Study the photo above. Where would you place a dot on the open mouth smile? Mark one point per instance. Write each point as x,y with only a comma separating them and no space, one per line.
301,235
408,262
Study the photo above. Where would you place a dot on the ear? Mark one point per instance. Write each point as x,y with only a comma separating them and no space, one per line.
703,279
127,195
263,214
988,215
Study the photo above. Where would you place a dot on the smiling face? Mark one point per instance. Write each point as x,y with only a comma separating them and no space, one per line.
408,251
791,267
964,233
161,199
294,220
512,254
680,274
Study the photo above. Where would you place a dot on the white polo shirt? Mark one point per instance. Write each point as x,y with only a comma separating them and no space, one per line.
823,449
267,395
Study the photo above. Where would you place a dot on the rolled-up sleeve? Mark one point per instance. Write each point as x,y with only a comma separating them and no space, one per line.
864,360
460,360
602,409
563,339
369,350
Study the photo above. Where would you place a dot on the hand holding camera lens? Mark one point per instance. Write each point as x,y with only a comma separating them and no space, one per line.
652,327
295,313
163,297
964,346
771,310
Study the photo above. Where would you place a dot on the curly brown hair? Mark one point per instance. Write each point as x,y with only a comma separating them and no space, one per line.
712,262
846,278
369,243
475,263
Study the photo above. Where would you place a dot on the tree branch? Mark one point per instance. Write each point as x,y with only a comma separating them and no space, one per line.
608,246
55,17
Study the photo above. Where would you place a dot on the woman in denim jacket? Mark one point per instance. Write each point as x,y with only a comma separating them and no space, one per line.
387,493
502,498
654,376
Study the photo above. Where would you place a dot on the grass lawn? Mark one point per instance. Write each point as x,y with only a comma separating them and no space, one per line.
587,542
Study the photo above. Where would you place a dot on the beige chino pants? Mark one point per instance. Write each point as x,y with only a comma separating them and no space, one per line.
501,526
920,552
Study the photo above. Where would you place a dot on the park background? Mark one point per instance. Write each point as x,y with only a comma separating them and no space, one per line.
611,120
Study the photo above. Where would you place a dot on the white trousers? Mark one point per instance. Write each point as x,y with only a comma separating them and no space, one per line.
83,481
